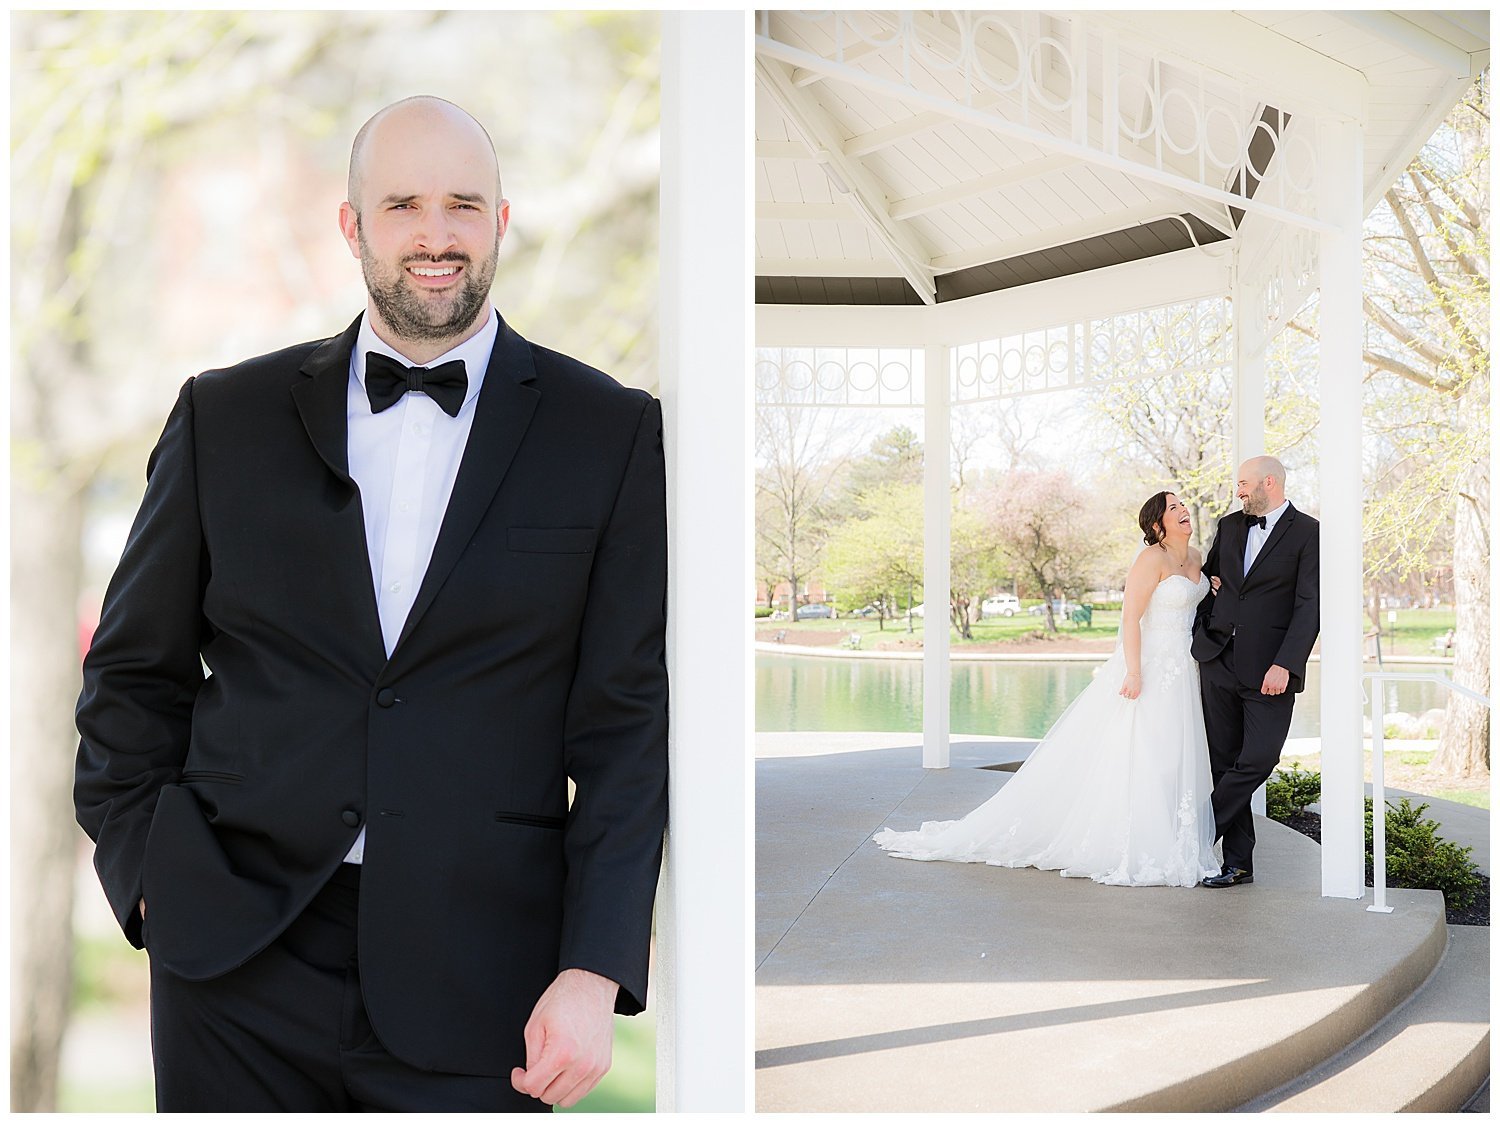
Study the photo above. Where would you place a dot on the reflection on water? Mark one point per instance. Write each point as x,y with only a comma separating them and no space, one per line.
809,693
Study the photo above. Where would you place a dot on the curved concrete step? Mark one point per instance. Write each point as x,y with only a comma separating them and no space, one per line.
1429,1054
912,986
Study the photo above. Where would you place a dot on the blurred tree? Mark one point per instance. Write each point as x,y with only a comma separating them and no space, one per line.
1427,303
1048,527
1427,400
98,99
1172,431
894,459
170,174
799,452
876,555
975,563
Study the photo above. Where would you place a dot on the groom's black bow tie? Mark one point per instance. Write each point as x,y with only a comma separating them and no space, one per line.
1255,520
386,379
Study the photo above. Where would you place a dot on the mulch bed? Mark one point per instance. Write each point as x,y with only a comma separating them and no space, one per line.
1310,823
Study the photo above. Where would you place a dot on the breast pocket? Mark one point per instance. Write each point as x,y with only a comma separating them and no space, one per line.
550,540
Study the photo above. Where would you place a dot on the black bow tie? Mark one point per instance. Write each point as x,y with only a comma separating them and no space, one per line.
1255,520
386,379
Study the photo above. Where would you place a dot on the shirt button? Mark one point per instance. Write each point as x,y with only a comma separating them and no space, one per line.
419,429
386,698
350,817
403,507
395,586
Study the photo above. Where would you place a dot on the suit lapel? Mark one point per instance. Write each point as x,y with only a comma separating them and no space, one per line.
1278,532
322,400
502,414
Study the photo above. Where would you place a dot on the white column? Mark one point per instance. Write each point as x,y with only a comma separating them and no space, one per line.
937,520
702,955
1340,367
1249,372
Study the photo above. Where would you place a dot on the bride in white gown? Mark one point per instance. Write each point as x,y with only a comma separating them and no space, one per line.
1119,788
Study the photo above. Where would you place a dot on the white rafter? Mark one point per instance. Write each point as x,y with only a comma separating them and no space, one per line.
917,123
864,194
805,212
782,150
802,78
913,205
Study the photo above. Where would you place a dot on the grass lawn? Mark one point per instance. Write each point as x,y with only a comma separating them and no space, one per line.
1412,634
1406,769
1414,630
991,629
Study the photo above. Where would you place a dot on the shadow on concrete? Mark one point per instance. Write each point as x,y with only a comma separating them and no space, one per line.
885,984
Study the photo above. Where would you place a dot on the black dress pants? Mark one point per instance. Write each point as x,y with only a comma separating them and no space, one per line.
287,1031
1246,732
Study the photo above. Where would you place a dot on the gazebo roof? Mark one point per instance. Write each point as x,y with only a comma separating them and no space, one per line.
907,158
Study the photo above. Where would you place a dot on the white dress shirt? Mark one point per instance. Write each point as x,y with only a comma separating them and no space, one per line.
405,460
1258,534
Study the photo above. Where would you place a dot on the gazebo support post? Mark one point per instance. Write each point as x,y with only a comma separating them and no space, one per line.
937,498
699,993
1340,369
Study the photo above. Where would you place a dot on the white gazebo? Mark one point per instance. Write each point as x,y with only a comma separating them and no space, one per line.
963,206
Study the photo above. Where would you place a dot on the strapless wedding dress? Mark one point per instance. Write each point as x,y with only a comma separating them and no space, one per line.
1118,790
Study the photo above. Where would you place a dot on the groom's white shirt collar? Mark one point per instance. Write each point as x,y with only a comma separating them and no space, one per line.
1273,516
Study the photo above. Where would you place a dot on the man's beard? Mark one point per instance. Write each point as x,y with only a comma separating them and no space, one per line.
1257,502
410,316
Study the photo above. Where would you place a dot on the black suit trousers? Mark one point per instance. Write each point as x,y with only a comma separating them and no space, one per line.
1246,730
287,1031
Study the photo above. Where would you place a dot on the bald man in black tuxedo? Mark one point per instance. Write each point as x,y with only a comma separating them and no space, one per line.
424,564
1252,638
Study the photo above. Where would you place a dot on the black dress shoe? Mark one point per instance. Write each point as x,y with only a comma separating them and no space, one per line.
1232,875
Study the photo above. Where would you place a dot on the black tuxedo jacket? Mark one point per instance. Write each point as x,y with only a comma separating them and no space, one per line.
1272,611
533,655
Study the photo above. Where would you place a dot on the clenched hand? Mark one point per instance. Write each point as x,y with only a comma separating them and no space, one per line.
568,1038
1275,680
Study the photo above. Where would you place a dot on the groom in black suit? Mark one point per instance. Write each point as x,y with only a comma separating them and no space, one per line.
1252,636
424,565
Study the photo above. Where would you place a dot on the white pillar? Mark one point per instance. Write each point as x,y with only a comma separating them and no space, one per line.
1340,369
937,497
702,954
1249,372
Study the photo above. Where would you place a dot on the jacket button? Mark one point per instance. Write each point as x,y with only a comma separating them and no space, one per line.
387,697
350,817
1242,597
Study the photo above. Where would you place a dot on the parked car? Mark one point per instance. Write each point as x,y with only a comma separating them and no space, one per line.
1060,612
815,612
1003,605
917,610
867,610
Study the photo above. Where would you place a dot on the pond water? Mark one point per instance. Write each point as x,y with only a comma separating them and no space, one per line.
810,693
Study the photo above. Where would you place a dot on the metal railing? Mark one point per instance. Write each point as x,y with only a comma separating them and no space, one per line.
1377,763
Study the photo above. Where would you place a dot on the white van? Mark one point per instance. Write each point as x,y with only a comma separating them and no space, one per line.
1002,605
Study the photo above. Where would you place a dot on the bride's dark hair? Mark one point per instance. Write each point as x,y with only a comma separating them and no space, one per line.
1151,515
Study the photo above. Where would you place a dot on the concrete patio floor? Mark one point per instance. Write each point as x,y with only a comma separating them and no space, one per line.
927,986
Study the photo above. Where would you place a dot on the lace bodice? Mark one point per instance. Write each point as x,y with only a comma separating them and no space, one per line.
1172,606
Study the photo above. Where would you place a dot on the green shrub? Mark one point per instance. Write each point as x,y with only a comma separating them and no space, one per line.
761,611
1416,857
1291,790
